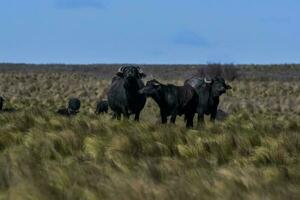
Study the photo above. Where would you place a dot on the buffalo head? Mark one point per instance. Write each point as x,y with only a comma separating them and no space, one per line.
131,72
199,82
151,88
219,86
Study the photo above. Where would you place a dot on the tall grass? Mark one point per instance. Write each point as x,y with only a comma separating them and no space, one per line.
253,154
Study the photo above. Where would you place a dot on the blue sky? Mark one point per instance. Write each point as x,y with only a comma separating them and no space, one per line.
150,31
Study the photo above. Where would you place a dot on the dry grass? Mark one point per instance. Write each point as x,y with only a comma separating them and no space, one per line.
254,154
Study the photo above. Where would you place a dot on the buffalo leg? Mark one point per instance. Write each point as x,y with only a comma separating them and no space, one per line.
213,116
189,121
126,113
116,116
126,116
119,116
173,118
137,116
164,118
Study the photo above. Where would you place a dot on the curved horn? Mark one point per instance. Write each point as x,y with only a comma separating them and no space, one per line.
207,81
155,82
121,69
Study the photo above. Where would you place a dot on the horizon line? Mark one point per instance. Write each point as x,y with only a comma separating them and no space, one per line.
126,63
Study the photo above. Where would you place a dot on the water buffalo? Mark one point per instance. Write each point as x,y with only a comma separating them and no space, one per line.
209,92
102,107
123,96
73,108
173,100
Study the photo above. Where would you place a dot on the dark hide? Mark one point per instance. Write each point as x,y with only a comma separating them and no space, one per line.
73,108
74,105
102,107
123,96
173,100
209,93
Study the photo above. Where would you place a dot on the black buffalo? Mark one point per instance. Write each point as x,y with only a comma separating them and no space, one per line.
209,92
123,96
102,107
73,108
173,100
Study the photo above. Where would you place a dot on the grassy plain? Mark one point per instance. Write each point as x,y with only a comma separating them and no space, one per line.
253,154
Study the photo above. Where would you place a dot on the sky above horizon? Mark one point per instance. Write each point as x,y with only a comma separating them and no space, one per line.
150,31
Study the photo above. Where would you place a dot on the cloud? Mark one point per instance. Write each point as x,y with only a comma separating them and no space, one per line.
189,38
69,4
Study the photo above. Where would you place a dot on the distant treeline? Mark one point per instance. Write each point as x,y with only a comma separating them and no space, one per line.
164,71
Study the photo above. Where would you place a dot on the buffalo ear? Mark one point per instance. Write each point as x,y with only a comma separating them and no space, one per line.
228,87
142,75
119,74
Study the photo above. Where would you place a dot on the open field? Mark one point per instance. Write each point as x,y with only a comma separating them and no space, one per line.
253,154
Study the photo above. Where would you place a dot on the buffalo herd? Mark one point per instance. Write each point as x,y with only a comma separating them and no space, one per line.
127,96
199,95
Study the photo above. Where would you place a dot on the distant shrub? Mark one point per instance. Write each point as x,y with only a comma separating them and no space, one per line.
227,71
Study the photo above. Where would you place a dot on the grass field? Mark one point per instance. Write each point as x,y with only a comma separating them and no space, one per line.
253,154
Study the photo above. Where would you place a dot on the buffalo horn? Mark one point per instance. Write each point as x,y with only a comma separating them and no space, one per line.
121,69
207,81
